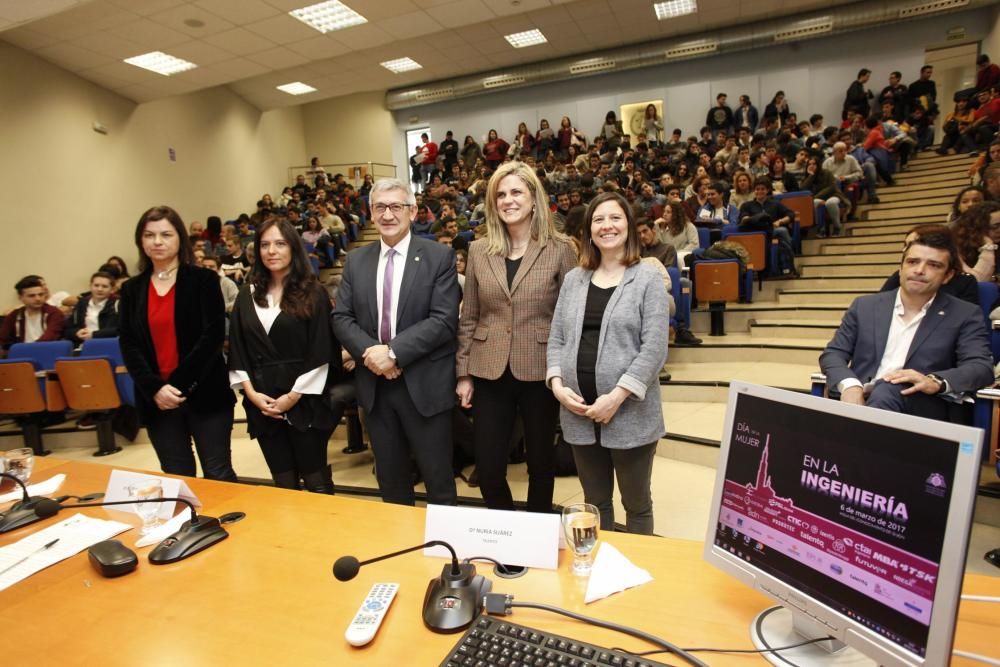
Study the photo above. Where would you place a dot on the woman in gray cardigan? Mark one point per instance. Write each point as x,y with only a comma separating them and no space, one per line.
606,347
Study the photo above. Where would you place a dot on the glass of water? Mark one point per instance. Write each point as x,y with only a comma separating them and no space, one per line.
19,463
580,522
150,489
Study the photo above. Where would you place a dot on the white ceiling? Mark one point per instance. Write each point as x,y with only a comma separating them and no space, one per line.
254,45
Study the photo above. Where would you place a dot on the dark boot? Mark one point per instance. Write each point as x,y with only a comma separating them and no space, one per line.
320,481
286,480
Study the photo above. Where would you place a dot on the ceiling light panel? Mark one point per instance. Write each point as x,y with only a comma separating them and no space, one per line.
519,40
400,65
674,8
296,88
161,63
328,16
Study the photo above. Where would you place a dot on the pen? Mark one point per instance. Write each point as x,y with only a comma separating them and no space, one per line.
38,550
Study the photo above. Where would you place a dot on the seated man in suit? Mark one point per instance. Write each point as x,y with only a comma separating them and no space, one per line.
397,316
906,349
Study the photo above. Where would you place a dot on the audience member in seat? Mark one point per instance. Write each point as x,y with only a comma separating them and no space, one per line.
905,350
512,281
991,181
607,345
171,329
965,199
962,285
34,321
230,290
122,270
653,247
826,193
976,234
283,356
986,119
404,333
742,191
96,312
764,213
715,212
235,264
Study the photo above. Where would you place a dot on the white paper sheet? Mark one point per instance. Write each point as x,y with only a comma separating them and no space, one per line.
75,534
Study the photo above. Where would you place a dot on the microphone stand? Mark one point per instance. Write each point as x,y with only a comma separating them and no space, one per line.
28,510
452,601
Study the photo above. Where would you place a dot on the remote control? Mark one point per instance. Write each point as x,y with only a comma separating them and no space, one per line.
369,617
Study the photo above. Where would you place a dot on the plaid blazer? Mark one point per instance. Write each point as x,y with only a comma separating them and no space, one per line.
503,326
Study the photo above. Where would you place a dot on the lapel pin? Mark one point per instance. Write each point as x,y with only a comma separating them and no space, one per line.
940,312
417,259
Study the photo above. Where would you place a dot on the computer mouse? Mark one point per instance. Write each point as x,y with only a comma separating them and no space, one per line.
993,557
112,558
188,540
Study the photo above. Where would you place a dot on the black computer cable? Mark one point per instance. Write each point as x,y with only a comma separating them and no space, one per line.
500,603
731,650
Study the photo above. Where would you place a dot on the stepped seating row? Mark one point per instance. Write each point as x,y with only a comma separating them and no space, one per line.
41,378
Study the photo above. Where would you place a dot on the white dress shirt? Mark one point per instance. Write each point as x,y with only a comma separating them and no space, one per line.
310,382
897,345
90,320
402,248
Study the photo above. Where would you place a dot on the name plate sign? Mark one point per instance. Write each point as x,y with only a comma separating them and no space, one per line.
513,538
120,480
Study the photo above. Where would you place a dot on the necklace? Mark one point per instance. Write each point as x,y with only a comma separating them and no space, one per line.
165,275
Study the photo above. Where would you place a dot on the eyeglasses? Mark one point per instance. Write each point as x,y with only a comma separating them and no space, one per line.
395,207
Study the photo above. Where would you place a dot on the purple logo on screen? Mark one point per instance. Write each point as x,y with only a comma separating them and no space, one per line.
936,485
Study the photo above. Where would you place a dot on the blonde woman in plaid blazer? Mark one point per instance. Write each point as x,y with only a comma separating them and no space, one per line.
512,282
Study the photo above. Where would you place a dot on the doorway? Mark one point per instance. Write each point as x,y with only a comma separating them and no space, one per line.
413,144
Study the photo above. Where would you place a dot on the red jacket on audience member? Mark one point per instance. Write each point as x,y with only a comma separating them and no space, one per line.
12,329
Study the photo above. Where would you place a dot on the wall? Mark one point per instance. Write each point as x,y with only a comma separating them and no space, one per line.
814,75
72,196
353,129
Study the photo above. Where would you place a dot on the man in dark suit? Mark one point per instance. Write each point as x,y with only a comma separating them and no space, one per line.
905,349
397,311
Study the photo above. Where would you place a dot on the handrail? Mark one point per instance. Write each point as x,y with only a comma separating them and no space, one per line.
354,172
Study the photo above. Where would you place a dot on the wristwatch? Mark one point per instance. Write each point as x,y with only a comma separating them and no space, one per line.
939,380
392,355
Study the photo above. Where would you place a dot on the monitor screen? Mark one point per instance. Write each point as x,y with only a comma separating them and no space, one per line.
848,507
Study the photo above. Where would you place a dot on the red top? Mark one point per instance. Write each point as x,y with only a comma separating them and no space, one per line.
160,314
990,110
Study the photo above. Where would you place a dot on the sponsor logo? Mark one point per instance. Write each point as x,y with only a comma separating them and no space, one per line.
854,577
913,607
836,569
936,485
839,546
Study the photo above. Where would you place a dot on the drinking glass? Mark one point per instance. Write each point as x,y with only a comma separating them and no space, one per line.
149,489
19,462
580,522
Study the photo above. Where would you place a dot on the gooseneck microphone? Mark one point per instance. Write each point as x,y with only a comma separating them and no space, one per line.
196,534
28,510
452,601
346,567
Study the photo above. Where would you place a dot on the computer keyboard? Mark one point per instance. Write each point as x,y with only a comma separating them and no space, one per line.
491,642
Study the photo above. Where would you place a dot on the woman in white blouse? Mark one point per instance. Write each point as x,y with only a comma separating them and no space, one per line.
283,355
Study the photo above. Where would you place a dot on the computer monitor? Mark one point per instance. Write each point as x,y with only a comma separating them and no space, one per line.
855,520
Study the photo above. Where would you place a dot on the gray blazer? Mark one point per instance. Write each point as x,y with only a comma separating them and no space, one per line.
630,354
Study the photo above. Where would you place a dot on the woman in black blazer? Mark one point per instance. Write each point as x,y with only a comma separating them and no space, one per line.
171,330
283,355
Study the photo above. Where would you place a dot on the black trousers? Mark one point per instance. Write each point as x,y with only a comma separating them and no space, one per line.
400,435
171,432
293,454
495,404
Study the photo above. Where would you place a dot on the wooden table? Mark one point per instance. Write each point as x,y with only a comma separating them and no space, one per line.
266,595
